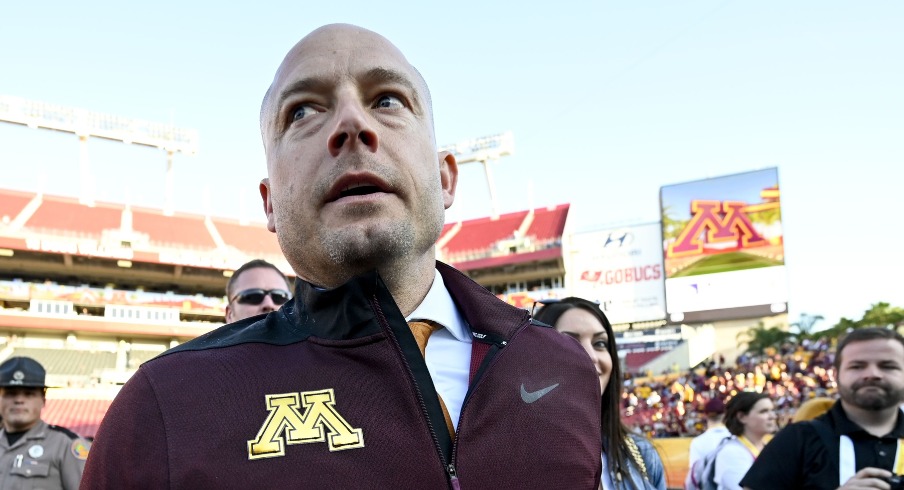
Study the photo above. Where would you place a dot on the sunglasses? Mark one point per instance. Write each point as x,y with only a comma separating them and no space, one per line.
256,296
540,303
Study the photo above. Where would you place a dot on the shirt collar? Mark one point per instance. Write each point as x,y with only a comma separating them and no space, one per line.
439,307
846,426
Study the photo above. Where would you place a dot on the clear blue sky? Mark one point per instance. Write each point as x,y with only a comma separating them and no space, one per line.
607,100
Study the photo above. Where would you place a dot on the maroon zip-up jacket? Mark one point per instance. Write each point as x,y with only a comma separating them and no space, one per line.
331,391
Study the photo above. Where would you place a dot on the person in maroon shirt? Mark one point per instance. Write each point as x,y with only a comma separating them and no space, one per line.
332,390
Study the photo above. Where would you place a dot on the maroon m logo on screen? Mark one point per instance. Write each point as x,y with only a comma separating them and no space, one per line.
722,221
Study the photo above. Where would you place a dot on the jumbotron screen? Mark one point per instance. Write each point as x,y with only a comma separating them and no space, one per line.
723,246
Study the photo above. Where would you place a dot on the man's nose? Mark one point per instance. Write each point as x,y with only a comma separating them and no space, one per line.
267,305
873,371
353,128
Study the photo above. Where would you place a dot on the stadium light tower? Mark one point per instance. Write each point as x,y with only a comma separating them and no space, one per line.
484,150
86,124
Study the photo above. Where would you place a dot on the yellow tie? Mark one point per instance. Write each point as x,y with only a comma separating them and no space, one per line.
422,332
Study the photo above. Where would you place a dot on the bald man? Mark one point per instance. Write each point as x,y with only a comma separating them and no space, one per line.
336,389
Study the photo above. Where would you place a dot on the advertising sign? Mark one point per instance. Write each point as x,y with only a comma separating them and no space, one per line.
621,268
647,340
723,243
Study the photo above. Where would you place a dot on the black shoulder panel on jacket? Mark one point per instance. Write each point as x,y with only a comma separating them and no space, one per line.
261,328
72,435
538,323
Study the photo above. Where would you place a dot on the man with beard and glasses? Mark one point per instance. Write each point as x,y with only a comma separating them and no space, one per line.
344,386
859,443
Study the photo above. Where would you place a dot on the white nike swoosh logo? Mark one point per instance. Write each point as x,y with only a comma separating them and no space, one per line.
530,397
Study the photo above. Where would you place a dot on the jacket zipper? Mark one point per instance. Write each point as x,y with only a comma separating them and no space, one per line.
449,467
453,478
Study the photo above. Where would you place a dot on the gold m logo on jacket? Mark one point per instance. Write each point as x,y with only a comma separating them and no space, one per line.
287,425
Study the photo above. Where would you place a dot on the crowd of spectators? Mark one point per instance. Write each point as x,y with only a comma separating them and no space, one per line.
671,405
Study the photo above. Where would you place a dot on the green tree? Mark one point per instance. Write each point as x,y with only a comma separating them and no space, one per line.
671,227
804,326
766,217
760,338
882,314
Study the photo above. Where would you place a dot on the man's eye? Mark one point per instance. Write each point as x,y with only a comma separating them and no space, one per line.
302,112
389,102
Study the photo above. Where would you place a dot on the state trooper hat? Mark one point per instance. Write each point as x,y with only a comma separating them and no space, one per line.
22,372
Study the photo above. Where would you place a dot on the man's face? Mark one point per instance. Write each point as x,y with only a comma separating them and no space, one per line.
257,278
20,407
871,374
355,182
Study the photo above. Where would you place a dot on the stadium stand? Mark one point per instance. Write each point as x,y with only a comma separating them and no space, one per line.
548,224
69,362
80,415
247,237
179,230
635,361
517,256
478,236
67,216
12,203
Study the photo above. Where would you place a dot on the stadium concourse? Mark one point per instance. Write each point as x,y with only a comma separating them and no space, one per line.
93,290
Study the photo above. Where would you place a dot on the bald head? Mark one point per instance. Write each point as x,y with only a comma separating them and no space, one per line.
355,182
337,42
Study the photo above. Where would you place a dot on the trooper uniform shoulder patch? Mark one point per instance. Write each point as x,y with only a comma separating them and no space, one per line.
80,448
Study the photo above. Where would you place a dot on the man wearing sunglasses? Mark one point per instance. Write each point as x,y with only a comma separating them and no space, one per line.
255,288
337,389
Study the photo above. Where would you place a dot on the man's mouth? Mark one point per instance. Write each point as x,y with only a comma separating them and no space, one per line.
873,386
357,185
359,190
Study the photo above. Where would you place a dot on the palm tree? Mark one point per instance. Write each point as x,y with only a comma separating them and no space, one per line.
805,325
759,338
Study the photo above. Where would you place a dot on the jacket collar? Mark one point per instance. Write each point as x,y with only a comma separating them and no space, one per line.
485,313
352,309
846,426
356,309
438,307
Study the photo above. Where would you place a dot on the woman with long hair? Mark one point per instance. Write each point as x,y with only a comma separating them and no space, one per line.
750,418
630,461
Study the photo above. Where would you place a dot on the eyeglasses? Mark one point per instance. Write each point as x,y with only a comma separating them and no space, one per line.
541,303
256,296
551,301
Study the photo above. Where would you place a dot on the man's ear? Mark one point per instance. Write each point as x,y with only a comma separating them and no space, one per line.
229,313
448,174
268,205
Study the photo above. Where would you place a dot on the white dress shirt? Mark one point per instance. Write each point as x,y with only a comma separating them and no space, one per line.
448,354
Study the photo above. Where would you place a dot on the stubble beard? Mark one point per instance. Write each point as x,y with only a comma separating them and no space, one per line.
873,401
342,253
355,249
